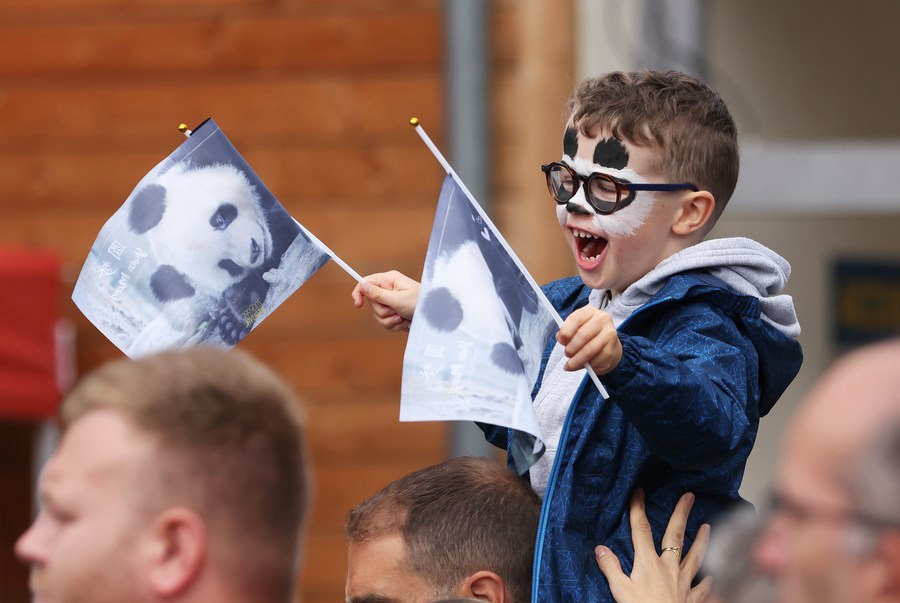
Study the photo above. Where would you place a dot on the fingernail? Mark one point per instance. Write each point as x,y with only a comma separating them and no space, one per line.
601,551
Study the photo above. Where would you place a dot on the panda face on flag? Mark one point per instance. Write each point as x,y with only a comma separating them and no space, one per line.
200,252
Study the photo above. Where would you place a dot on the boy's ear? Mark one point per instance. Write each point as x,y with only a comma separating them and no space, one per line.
695,213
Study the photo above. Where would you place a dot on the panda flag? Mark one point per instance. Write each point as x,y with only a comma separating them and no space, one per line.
481,327
200,253
475,345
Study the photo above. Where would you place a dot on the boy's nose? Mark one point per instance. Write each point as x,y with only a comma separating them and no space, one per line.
575,208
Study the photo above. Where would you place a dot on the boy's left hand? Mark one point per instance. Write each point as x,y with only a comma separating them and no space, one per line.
589,337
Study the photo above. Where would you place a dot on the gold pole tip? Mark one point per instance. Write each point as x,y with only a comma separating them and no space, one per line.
414,121
182,128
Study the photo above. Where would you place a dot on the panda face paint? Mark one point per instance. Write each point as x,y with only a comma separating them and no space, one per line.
622,223
613,251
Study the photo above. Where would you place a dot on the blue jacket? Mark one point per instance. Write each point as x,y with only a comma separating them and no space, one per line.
699,367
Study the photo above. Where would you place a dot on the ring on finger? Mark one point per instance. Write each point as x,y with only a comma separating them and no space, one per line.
674,549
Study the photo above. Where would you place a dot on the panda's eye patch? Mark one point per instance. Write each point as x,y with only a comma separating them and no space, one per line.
225,215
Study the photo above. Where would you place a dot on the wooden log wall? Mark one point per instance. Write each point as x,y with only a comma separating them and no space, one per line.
316,95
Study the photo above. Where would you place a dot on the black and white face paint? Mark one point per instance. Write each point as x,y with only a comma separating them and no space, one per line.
609,156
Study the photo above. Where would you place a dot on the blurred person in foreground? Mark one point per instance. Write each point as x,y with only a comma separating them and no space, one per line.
180,477
832,531
461,529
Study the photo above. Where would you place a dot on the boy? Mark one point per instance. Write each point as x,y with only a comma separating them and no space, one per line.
690,337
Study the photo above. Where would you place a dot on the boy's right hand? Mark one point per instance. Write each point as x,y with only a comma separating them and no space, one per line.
393,298
590,337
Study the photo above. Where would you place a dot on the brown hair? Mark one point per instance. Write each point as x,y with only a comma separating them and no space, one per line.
464,515
683,118
230,436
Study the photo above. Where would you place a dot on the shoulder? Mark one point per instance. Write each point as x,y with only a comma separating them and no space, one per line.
567,294
698,287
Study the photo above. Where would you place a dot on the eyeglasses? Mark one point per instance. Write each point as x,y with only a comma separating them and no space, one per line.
780,504
605,193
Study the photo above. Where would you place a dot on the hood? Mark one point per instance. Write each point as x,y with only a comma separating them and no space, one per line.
743,264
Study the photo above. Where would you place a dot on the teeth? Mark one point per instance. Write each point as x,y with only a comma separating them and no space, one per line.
586,235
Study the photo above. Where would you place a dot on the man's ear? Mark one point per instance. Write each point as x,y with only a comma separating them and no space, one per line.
696,211
486,586
889,547
177,551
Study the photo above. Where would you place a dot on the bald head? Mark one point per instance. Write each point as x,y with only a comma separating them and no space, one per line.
820,543
843,412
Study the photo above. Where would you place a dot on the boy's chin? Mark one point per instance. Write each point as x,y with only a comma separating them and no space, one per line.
591,279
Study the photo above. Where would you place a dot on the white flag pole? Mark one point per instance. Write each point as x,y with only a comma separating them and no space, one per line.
332,254
414,122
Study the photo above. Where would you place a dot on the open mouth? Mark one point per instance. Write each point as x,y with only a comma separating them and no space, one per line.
589,246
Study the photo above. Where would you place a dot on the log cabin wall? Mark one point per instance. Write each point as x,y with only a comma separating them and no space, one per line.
316,95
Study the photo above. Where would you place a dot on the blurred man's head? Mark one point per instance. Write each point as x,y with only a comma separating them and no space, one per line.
179,477
461,528
833,534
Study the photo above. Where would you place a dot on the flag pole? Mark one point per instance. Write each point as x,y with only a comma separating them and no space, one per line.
414,122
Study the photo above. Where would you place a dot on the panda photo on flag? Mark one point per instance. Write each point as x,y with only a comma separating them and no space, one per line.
200,252
480,327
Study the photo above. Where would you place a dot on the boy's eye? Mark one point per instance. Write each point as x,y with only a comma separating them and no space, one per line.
603,188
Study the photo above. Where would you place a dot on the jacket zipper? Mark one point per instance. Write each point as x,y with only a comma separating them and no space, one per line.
548,494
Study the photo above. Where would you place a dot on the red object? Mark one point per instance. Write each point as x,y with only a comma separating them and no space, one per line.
29,315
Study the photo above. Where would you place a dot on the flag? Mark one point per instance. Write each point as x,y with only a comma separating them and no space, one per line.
480,329
200,253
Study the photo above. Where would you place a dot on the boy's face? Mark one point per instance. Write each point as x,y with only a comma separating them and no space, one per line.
615,250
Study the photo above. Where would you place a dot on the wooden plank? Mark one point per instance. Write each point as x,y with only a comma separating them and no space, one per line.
368,427
193,45
345,367
370,240
66,9
341,486
350,174
342,367
12,10
364,108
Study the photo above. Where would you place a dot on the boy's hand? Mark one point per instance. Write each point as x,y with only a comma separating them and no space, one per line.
393,298
590,337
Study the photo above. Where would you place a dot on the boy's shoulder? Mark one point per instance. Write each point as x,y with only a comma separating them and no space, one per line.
567,294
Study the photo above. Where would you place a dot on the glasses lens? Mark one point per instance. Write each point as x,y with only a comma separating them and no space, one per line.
604,193
561,182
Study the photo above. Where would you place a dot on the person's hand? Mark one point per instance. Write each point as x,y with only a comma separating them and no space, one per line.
393,298
658,577
590,337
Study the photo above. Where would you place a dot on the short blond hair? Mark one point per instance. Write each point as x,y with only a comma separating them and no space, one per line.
231,439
